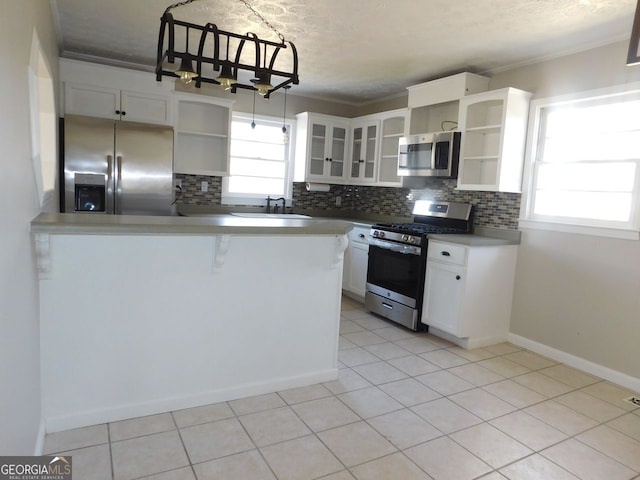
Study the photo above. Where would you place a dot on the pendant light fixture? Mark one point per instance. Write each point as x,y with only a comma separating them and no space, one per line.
226,77
285,135
266,71
253,119
186,72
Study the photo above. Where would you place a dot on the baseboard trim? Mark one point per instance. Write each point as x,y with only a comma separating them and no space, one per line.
468,343
123,412
606,373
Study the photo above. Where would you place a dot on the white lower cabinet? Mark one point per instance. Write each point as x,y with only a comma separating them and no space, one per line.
468,290
356,258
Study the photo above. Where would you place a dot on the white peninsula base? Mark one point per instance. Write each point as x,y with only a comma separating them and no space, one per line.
133,325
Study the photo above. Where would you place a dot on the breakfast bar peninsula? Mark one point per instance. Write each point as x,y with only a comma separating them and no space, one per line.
144,314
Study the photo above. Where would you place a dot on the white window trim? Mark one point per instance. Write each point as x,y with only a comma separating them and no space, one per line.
234,199
44,125
527,219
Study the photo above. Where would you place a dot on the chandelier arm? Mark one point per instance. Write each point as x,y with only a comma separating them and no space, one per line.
161,55
277,87
208,28
273,57
171,46
256,40
294,55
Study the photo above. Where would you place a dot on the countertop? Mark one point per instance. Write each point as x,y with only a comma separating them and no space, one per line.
90,224
482,237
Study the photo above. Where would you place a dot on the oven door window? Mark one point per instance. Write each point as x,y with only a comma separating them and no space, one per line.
398,272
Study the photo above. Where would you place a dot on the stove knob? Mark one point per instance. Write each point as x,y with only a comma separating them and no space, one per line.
405,238
381,234
376,233
411,239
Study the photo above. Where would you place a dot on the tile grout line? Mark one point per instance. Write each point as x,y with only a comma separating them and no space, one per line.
604,398
547,398
113,471
184,447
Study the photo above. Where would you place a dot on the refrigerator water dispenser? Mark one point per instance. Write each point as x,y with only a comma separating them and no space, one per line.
89,192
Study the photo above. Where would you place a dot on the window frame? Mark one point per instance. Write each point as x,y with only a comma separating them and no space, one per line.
530,220
228,198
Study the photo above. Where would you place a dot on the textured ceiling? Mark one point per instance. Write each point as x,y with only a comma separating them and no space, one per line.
357,51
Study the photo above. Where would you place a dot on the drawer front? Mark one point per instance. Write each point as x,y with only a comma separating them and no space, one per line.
359,235
447,253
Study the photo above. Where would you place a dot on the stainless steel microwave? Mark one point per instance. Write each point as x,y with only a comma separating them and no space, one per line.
429,155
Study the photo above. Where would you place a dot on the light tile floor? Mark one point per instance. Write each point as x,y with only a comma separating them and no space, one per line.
406,406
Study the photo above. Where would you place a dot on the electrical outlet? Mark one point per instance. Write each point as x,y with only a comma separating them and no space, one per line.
338,201
204,186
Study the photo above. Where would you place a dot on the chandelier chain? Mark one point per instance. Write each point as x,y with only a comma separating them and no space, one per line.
246,4
264,20
179,4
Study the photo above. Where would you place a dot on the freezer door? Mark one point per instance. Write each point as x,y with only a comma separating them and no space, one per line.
88,164
143,169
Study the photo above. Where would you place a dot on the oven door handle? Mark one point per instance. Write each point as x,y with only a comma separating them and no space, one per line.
395,247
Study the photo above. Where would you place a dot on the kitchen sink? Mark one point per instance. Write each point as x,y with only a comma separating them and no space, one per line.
285,216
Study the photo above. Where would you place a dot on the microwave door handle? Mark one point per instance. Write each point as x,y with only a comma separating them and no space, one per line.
110,200
402,160
434,155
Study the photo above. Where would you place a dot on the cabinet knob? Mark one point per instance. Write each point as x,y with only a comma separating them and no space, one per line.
361,235
124,113
445,254
117,112
458,277
326,159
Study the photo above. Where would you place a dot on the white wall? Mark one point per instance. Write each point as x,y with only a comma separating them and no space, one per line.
574,293
19,203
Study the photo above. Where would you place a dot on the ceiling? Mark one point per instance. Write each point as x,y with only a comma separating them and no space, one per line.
358,51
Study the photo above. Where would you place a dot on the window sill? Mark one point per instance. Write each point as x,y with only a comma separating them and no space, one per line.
626,234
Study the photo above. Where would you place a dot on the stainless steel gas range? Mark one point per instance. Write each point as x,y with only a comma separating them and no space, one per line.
398,259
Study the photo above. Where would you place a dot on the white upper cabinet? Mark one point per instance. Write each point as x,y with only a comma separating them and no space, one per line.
394,125
117,93
322,144
105,102
364,151
202,135
447,89
493,126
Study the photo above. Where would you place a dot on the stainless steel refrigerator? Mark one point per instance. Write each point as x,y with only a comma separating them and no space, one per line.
116,167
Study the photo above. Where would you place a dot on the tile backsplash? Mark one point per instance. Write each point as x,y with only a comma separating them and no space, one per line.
192,193
492,209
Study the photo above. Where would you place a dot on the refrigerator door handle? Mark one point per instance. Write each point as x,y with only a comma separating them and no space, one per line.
110,199
118,185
